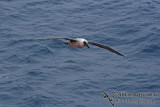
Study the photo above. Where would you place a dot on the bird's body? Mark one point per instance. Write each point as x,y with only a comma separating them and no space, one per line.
81,42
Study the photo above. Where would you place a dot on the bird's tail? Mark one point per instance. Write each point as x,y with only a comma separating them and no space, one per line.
67,43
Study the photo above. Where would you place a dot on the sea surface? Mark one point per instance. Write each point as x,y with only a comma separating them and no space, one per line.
48,73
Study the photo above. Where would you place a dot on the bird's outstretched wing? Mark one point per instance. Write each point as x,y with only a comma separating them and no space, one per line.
54,38
106,47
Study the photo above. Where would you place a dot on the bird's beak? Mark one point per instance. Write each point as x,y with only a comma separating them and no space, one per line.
87,45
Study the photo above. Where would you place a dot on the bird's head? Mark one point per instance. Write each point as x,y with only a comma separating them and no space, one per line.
85,43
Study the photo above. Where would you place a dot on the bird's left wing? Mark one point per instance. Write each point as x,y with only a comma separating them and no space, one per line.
106,47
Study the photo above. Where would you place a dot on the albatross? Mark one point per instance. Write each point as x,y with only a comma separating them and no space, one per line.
81,42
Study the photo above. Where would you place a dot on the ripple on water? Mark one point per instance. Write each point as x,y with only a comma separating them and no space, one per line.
49,73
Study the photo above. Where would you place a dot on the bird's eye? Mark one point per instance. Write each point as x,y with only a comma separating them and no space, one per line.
84,42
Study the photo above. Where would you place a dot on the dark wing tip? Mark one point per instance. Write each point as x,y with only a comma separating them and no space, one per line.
120,54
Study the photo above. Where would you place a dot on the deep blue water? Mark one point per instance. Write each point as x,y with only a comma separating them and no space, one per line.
51,74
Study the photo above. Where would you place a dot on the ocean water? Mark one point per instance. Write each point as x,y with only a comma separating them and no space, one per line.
50,74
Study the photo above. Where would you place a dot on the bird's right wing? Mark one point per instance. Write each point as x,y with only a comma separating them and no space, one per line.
106,47
54,38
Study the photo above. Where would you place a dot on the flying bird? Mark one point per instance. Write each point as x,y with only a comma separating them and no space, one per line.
81,42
